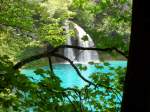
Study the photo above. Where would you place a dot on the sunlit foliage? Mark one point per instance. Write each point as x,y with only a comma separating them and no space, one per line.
25,26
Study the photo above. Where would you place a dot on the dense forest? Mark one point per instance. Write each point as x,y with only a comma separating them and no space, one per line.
29,27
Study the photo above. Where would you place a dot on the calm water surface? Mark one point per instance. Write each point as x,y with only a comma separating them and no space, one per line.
69,76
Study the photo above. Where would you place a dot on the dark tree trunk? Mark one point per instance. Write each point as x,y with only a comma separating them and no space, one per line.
136,96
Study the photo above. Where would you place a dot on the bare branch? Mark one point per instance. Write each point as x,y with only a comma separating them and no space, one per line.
52,53
86,80
29,59
92,48
76,69
45,54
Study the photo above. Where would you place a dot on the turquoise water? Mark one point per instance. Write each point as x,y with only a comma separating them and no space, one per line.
69,76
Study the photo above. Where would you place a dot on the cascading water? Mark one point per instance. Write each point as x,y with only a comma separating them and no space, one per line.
81,56
68,52
85,55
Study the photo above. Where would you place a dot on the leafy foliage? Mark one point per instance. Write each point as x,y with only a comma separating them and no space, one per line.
30,23
16,13
107,21
25,26
19,93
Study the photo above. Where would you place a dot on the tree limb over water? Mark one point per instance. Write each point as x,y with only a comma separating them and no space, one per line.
52,53
49,53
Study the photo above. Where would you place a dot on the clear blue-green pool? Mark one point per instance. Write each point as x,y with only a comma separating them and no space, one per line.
69,76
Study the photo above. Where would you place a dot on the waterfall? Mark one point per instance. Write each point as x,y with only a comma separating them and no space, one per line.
81,56
85,56
68,52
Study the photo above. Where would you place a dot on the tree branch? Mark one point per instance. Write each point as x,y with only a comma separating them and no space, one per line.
86,80
64,94
29,59
45,54
52,53
97,49
76,69
75,109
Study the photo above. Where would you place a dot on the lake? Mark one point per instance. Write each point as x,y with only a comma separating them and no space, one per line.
69,76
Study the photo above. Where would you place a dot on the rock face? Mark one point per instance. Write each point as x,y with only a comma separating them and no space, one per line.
82,39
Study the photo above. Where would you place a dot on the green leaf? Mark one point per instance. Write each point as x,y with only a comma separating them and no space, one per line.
91,63
99,66
106,64
39,71
85,38
82,67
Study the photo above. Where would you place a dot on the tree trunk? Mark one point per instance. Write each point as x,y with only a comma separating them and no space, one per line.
136,97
